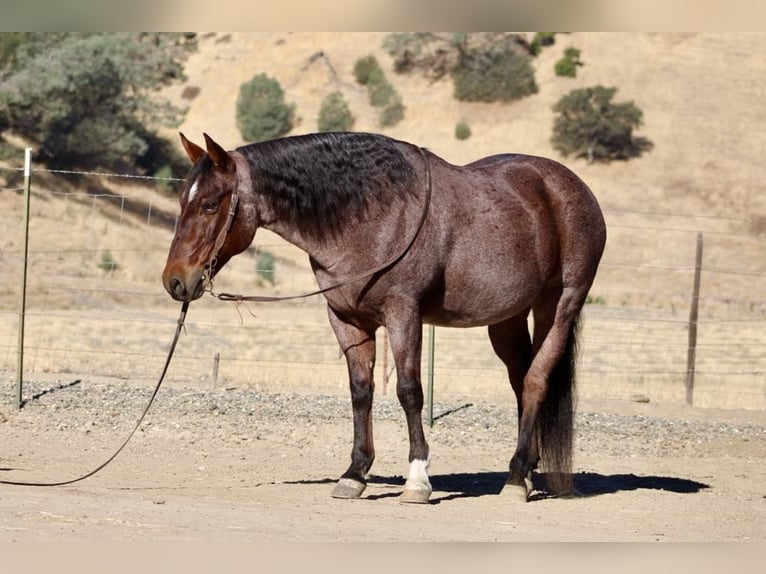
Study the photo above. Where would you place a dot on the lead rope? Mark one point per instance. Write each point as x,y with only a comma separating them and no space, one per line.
239,298
368,273
179,326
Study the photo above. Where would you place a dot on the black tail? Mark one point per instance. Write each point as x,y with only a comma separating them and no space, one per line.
555,421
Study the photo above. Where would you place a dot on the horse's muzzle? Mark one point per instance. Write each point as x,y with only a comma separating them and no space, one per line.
185,290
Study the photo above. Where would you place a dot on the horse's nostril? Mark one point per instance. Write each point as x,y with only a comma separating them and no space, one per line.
177,288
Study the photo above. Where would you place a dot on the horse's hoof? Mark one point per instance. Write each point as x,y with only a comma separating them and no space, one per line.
415,496
348,488
515,492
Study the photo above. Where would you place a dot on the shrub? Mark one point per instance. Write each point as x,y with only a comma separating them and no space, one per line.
540,40
164,175
265,268
380,92
392,113
488,74
261,109
107,262
432,53
567,65
367,71
595,300
589,125
462,131
334,114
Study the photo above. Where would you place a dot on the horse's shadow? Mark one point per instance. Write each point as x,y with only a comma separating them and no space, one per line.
470,485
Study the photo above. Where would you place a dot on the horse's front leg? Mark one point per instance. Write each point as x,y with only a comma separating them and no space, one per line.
358,346
405,335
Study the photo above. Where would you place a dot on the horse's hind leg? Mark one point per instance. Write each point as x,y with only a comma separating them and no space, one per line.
546,402
359,347
512,343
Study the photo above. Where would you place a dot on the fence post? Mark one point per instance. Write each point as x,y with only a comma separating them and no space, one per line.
23,302
693,313
430,412
216,364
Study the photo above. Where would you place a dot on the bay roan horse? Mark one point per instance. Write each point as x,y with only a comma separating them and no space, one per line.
400,237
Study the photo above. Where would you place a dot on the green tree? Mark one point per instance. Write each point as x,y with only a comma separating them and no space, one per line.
92,99
588,124
262,113
334,114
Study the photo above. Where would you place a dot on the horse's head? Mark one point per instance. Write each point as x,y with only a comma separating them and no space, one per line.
211,229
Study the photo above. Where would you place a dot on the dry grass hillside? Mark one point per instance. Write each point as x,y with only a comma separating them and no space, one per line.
702,96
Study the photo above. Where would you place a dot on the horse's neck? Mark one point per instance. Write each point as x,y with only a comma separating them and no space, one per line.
342,249
326,254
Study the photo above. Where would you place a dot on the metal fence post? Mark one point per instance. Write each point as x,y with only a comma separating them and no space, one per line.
693,313
430,412
23,302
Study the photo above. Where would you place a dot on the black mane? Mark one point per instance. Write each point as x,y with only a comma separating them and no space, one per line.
319,181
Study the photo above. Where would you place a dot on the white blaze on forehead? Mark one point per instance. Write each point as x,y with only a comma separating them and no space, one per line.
192,191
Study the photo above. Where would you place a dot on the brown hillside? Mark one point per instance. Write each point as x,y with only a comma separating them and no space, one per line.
701,94
702,97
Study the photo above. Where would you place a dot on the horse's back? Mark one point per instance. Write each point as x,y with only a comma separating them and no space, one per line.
566,197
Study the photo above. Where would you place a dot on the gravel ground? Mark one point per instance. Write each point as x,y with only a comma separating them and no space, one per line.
252,413
243,465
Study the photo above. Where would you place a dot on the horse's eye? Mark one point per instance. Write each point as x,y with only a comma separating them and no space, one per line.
210,206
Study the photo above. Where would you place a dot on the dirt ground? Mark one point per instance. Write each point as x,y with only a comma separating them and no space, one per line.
215,471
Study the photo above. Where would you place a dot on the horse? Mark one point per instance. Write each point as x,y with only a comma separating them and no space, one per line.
396,237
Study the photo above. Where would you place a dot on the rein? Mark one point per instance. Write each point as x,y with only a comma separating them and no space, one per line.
179,326
220,239
353,279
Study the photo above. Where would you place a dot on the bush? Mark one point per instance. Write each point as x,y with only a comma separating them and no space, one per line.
432,53
334,114
367,71
488,74
540,40
462,131
164,175
392,113
265,268
589,125
107,262
567,66
262,113
381,93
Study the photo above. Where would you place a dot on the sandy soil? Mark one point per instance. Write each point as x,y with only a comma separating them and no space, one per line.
215,467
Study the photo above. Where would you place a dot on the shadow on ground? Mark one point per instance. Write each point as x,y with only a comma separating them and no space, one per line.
587,484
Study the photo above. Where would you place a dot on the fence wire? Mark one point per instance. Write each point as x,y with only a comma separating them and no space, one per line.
96,308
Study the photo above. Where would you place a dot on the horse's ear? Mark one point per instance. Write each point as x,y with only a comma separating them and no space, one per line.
192,150
221,159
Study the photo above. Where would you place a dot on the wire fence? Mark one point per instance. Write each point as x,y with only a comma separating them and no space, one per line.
96,307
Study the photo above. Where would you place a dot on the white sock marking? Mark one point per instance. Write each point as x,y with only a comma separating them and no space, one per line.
417,479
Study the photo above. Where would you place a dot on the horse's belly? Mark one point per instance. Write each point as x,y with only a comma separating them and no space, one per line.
480,302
